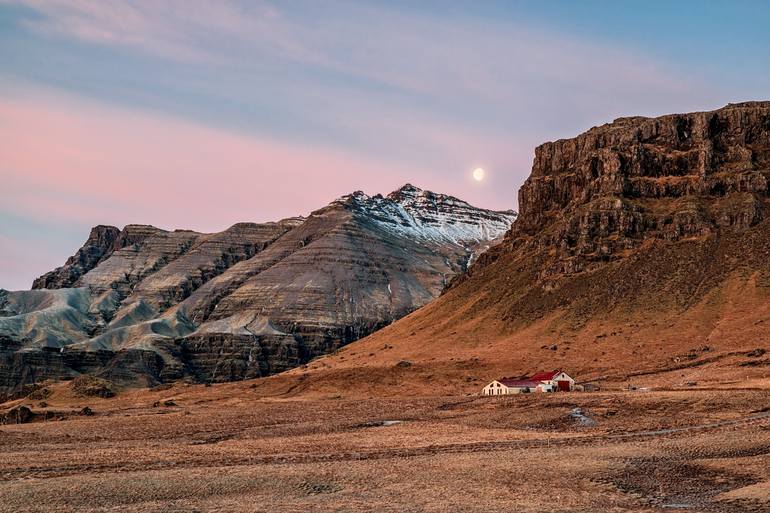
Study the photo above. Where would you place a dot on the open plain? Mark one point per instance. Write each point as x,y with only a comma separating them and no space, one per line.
230,448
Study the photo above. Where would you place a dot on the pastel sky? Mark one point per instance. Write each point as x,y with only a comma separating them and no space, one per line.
202,113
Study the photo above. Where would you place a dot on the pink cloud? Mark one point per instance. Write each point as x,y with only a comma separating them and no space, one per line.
87,162
468,90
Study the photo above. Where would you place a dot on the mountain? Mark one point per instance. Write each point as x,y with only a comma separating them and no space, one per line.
642,248
145,305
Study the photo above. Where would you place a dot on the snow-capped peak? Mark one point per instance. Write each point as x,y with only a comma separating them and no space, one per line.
419,214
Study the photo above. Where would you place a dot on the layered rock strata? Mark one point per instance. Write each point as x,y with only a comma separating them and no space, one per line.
144,305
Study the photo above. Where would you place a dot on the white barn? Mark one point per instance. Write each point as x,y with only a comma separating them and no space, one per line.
507,386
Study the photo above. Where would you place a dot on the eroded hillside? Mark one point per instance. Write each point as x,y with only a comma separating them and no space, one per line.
143,305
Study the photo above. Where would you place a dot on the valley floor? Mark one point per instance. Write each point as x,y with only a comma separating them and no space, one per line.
226,449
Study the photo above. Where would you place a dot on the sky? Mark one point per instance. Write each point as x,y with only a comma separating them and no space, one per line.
202,113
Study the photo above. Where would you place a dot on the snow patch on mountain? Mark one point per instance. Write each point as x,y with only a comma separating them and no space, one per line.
438,218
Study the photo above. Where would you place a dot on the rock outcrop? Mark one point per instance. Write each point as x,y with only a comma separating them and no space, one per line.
595,198
145,305
102,241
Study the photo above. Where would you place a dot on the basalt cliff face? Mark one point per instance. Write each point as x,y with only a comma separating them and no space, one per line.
144,305
594,198
600,197
639,245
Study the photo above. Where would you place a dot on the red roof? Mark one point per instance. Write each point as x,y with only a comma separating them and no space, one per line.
518,383
544,376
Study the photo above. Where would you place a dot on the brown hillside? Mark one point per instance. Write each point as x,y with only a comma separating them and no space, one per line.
641,255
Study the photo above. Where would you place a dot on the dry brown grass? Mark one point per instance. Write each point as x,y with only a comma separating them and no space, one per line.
229,448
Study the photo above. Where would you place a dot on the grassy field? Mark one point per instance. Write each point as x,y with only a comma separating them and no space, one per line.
227,448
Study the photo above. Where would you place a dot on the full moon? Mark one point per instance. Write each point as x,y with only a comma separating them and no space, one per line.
478,174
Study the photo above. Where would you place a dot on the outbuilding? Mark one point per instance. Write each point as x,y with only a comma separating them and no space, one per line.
559,379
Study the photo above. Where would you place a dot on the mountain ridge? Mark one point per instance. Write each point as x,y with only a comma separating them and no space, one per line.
146,305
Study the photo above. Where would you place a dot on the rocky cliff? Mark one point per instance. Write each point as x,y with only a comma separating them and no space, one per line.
145,305
597,196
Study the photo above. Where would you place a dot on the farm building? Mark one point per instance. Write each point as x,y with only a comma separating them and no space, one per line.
559,379
540,382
